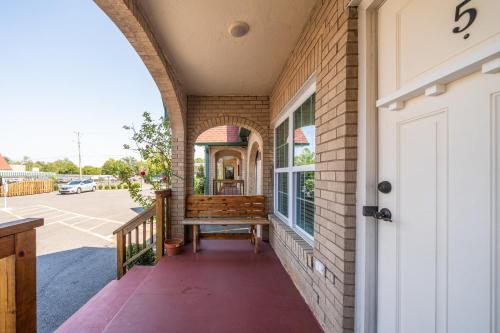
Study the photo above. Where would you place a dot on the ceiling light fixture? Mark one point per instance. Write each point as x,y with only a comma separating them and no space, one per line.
239,29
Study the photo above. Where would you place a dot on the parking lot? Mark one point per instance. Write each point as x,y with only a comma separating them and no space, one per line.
75,248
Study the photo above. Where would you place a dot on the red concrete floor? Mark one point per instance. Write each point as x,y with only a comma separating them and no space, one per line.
223,288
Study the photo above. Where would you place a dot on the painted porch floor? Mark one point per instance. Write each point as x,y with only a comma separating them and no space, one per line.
223,288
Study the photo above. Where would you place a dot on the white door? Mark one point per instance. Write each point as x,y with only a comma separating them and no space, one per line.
437,260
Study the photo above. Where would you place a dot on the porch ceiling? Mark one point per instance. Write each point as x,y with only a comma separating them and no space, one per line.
208,60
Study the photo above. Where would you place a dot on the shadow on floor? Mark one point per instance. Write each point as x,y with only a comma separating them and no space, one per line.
66,280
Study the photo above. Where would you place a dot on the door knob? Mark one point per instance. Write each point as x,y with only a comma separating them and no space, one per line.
384,187
384,214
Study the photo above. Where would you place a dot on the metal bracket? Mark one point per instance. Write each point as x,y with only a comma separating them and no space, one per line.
370,210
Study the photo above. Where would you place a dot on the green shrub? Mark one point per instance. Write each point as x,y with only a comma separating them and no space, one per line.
100,187
56,187
135,185
147,259
114,187
125,186
106,187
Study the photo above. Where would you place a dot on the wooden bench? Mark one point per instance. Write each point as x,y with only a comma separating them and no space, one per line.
224,210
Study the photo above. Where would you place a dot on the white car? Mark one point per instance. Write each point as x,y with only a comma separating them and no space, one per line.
78,186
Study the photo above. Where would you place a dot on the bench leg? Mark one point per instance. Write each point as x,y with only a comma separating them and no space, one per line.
256,240
195,238
252,238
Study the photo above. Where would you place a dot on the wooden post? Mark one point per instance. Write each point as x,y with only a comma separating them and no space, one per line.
120,254
26,281
168,217
160,223
195,238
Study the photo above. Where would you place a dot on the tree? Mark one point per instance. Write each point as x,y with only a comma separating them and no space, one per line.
91,170
119,168
62,167
153,142
305,157
199,179
199,160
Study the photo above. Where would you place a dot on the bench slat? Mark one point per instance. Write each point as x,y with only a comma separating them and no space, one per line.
225,221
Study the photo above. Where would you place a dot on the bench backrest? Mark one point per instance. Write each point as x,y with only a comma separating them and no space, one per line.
225,206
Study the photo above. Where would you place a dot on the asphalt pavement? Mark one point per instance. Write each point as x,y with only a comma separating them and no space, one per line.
76,251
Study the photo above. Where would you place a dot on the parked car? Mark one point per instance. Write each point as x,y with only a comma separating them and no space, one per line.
78,186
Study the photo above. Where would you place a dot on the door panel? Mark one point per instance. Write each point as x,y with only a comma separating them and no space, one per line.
437,259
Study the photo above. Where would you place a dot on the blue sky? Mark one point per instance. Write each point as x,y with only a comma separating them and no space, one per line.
65,67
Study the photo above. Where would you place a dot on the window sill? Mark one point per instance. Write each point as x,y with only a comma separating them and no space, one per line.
291,239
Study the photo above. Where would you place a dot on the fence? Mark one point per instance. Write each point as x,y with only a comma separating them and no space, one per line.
28,188
229,187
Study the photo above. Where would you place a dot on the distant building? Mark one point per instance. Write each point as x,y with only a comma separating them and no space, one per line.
3,164
18,167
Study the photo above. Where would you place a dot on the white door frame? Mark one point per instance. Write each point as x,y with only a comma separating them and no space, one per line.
484,59
367,171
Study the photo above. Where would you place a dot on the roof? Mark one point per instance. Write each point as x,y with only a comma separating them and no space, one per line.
300,138
3,164
226,133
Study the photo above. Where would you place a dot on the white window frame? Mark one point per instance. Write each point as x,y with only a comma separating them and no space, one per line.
307,90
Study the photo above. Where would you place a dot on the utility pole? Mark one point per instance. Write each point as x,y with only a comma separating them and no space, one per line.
79,153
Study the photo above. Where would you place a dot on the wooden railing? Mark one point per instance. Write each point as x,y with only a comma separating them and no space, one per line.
229,187
28,187
18,275
145,232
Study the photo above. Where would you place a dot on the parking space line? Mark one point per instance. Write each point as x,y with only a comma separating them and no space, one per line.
11,213
84,220
87,231
65,219
81,215
97,226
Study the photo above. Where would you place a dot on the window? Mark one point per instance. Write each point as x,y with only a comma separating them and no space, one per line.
304,199
283,193
304,133
295,149
282,145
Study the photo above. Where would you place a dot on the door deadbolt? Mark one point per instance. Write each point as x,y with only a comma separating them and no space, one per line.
384,187
384,214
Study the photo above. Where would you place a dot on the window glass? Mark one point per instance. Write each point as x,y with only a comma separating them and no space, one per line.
283,193
282,145
304,133
304,201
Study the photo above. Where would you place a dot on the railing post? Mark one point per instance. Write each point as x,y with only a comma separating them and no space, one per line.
25,266
168,221
18,275
160,223
120,254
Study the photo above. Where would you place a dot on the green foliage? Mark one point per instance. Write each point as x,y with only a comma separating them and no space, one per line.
106,187
304,158
147,259
91,170
100,187
199,179
64,166
124,186
153,141
199,160
112,187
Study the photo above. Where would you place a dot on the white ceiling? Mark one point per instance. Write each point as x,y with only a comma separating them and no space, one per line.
208,60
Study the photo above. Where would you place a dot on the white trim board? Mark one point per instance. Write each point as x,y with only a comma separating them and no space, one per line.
461,67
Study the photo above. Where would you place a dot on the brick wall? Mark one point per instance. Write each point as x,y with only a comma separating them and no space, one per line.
327,47
251,112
